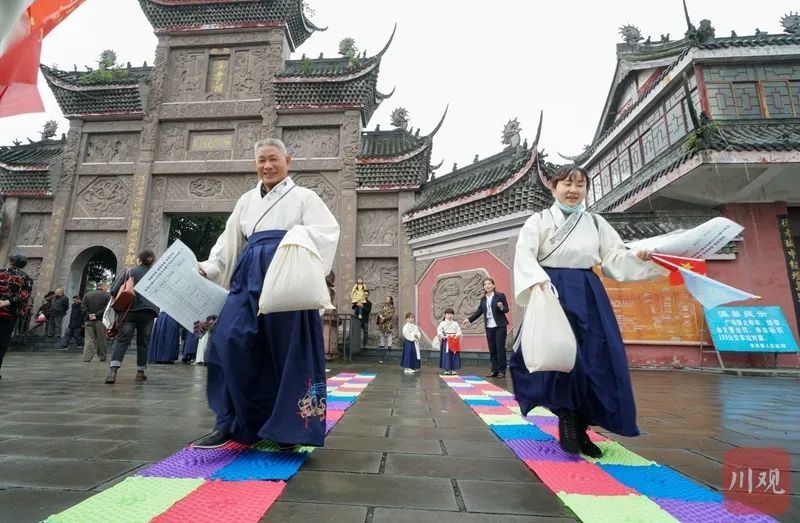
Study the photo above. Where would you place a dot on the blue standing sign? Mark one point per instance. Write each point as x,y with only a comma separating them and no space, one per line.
750,329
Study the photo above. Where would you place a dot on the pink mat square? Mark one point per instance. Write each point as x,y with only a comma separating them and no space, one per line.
214,501
495,411
334,415
578,478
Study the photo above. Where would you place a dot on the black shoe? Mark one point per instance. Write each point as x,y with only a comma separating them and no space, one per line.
287,447
501,374
492,374
213,441
588,448
568,432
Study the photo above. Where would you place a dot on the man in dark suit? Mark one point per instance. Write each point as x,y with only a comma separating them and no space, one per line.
493,308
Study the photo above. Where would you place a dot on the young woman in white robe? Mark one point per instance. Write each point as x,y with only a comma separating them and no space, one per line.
560,246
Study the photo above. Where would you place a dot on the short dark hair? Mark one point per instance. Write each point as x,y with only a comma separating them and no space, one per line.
147,257
450,311
76,297
410,315
18,260
569,172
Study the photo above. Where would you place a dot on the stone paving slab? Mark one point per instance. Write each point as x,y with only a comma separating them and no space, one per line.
21,505
495,497
292,512
68,474
389,515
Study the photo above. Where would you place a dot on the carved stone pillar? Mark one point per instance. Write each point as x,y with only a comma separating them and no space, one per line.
405,262
10,226
147,148
62,208
348,213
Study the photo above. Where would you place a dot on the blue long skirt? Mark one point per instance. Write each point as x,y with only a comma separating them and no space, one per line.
448,360
266,373
409,358
165,339
190,346
599,386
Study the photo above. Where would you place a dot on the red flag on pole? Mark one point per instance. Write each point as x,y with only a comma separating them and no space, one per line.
673,262
19,62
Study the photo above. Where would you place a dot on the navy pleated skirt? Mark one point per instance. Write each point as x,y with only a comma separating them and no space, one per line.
266,373
599,386
165,339
190,346
409,358
448,360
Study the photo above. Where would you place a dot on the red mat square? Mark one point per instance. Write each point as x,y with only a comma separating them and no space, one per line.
215,501
493,411
578,478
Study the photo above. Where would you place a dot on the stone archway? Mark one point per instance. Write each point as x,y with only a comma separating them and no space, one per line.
92,263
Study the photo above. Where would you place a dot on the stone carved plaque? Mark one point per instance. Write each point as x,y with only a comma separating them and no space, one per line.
111,148
33,230
380,277
210,140
172,142
205,187
36,205
249,73
377,228
104,197
188,70
462,292
247,134
232,187
217,76
308,142
321,186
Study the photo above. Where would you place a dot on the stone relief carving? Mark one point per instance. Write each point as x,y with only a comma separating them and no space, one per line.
321,186
380,277
33,229
154,89
70,158
232,187
377,228
36,205
34,268
249,72
247,134
273,62
462,292
308,142
153,236
188,73
172,142
110,148
104,197
205,187
420,267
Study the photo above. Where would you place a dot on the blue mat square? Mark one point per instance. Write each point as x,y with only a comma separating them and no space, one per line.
658,481
260,465
483,403
473,378
342,396
527,431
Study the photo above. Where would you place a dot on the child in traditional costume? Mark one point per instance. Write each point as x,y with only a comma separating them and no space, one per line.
560,246
449,334
410,359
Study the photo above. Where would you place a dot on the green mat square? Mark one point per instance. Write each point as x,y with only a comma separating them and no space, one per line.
616,454
269,446
540,411
135,500
615,509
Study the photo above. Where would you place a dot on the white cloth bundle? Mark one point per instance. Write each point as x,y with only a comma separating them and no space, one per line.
295,280
547,340
109,315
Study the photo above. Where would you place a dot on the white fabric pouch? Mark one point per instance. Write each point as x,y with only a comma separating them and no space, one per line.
547,340
109,315
295,280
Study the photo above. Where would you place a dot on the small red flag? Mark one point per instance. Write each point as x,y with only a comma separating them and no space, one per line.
673,262
454,344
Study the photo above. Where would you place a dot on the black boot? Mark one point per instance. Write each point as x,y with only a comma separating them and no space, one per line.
587,446
568,432
216,439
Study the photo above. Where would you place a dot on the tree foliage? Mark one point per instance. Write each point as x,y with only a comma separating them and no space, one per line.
199,233
107,70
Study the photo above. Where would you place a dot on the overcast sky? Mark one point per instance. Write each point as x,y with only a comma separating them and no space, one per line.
490,60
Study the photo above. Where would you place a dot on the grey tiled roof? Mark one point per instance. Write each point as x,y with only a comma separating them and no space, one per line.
321,67
165,15
751,135
24,169
76,98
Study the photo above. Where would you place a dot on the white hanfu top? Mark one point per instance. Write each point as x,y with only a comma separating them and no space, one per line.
448,328
297,210
592,242
411,332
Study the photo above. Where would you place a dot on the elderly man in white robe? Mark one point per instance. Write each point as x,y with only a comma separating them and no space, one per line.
266,373
560,246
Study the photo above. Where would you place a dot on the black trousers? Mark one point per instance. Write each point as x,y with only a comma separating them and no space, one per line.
496,338
6,329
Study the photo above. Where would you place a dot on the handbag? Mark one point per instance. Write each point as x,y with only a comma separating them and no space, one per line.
546,338
125,295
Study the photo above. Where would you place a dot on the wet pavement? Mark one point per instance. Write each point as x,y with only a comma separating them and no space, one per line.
408,450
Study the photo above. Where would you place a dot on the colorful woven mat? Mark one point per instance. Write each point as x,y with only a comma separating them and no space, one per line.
619,487
232,483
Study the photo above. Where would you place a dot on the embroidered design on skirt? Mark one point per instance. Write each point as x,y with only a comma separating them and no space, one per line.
313,404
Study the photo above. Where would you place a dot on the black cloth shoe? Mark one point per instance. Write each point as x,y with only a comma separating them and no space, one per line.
587,446
492,374
214,440
287,447
568,432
